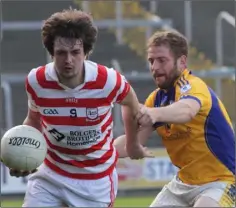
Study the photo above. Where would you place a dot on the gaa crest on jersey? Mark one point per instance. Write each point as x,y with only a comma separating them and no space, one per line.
185,88
92,113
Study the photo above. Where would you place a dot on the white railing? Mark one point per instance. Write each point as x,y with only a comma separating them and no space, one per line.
7,93
188,19
119,19
219,34
101,24
153,5
119,24
1,31
117,108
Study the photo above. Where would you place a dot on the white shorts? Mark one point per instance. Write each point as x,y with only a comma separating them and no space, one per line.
177,193
46,188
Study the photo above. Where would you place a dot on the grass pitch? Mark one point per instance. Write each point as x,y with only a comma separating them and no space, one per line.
120,202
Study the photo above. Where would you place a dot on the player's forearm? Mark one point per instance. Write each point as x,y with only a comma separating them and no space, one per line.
32,123
130,124
142,135
130,108
119,144
33,119
175,113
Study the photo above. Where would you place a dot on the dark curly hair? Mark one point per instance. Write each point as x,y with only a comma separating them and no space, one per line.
69,23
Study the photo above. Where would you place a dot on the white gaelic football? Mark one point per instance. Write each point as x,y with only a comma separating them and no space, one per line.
23,148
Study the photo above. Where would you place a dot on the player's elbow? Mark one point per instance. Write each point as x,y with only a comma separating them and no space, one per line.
189,109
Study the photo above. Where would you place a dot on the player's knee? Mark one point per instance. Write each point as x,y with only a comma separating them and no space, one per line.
205,201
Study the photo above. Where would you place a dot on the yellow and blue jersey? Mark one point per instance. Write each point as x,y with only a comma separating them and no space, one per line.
204,148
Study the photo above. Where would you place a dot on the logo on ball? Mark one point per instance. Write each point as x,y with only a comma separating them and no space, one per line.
21,141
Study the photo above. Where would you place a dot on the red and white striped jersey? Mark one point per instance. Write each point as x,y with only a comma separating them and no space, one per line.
77,123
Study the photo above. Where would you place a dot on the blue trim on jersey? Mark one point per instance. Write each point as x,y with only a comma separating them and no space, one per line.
158,124
219,135
163,99
191,97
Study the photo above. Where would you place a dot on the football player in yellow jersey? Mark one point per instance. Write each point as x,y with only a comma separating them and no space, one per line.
194,125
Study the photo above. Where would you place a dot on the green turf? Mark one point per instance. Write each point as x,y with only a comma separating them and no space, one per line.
13,203
133,202
120,202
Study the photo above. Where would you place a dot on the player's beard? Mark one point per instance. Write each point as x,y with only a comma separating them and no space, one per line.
170,78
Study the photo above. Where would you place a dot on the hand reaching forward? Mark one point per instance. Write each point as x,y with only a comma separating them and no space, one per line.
146,116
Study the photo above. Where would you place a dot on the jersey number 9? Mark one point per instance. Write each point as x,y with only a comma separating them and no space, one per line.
73,113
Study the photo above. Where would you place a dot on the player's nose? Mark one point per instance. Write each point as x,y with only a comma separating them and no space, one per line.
68,59
155,66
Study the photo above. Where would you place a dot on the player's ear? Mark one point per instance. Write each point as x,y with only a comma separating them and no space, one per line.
182,62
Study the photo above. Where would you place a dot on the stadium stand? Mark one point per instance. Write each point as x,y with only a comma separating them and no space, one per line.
203,46
204,14
135,37
23,49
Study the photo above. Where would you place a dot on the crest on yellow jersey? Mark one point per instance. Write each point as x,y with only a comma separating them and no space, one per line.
185,88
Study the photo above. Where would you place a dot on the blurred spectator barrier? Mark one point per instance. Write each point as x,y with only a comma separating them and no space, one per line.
219,34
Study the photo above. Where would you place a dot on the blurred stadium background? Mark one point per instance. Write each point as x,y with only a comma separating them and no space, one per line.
124,27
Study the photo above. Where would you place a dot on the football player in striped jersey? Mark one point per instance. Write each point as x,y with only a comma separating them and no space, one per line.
70,101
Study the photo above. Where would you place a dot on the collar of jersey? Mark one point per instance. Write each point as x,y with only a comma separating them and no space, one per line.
184,73
53,75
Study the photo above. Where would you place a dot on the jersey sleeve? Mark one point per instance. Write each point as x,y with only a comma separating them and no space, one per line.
196,90
118,87
31,95
123,89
